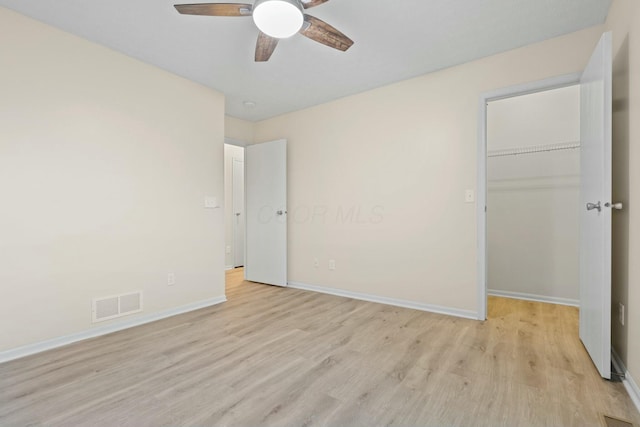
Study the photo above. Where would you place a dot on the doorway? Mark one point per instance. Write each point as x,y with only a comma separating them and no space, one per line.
482,152
533,196
234,205
596,206
256,210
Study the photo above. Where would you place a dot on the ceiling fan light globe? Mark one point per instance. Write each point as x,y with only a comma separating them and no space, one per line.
278,18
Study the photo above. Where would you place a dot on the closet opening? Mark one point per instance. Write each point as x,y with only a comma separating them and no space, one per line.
533,196
529,195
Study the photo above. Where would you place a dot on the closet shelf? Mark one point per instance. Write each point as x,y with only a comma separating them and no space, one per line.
534,149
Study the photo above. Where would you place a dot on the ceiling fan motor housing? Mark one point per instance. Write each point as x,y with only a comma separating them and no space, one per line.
278,18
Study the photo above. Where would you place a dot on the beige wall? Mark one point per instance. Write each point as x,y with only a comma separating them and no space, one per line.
238,130
104,164
624,21
377,180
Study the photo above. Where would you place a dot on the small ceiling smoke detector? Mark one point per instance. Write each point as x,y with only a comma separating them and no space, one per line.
249,104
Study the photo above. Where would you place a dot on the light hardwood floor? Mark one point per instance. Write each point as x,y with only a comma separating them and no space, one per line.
286,357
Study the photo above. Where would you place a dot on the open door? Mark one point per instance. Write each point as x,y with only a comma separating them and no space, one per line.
266,213
595,217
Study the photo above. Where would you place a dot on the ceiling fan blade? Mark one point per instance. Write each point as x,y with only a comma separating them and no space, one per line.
312,3
215,9
318,30
265,47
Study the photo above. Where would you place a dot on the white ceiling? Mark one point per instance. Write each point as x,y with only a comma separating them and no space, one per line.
394,40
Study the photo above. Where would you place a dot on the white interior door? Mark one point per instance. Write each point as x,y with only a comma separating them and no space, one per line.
595,217
266,213
237,185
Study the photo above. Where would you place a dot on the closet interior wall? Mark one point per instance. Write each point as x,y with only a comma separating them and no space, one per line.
533,172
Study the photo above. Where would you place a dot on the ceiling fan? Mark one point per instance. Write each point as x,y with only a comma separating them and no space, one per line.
275,19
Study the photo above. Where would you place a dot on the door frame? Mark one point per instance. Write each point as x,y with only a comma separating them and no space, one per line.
235,188
481,206
243,145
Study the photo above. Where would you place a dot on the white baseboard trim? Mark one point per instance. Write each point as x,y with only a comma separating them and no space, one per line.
229,267
629,383
467,314
534,297
29,349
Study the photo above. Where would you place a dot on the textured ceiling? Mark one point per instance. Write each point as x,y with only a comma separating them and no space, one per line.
394,40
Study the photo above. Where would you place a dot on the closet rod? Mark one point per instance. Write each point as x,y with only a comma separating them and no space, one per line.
534,149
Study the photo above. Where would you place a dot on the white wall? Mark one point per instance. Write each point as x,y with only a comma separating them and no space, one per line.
542,118
377,180
624,21
104,164
230,152
533,200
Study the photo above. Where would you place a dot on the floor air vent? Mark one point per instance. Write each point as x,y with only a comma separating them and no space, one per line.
116,306
615,422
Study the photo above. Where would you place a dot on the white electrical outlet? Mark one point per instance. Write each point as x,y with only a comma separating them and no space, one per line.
228,249
332,264
621,313
316,263
171,278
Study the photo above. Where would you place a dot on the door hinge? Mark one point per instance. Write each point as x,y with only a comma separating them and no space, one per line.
617,376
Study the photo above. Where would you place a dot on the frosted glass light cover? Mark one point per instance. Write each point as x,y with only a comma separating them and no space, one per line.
278,18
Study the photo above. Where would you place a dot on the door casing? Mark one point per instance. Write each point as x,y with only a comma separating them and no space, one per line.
237,201
481,206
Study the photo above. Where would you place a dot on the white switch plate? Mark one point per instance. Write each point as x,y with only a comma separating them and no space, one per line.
332,264
171,279
469,196
211,202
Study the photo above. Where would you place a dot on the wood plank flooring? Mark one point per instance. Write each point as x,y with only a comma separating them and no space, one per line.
286,357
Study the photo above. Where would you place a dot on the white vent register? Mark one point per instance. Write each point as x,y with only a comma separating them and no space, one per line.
106,308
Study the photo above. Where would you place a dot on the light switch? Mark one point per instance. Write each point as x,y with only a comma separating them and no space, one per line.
469,196
211,202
